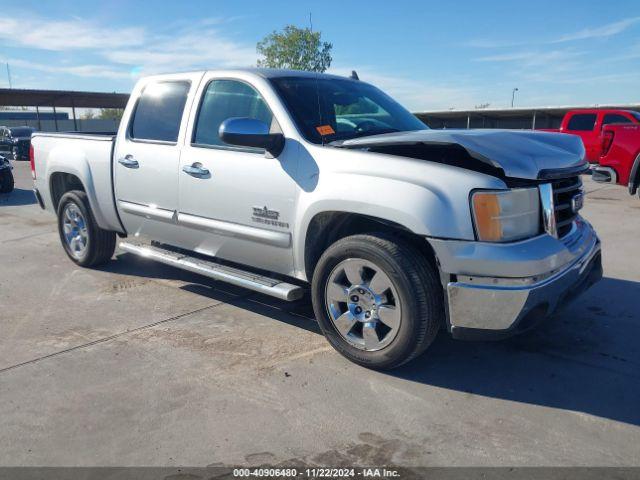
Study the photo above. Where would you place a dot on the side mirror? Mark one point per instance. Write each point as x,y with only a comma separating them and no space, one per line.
249,132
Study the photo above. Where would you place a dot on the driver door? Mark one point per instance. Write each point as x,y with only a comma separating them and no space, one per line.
238,203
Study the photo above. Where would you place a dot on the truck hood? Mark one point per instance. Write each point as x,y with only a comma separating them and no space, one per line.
519,154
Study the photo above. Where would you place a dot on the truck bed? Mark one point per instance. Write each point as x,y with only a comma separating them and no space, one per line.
83,135
84,156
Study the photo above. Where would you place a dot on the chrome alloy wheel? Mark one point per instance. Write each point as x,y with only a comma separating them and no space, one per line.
363,304
75,230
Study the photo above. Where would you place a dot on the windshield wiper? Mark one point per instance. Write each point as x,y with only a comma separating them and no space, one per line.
380,131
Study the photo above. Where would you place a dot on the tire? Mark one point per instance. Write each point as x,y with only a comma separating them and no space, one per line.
414,300
6,181
85,242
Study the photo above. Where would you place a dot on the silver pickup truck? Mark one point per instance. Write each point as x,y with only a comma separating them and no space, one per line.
285,181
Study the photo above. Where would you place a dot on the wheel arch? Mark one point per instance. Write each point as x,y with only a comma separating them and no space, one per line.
74,175
61,183
327,227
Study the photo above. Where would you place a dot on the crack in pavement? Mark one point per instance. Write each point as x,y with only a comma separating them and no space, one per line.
27,236
110,337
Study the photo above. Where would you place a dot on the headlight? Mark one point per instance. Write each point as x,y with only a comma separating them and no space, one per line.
506,215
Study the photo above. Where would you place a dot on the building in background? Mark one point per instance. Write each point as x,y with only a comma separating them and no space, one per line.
22,116
43,112
510,118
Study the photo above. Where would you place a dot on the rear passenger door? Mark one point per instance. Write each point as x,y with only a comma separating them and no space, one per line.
616,118
584,125
147,156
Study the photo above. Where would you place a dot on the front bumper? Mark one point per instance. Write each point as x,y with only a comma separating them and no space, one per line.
603,174
482,304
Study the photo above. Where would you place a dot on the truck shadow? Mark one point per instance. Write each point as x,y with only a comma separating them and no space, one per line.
584,359
298,313
17,198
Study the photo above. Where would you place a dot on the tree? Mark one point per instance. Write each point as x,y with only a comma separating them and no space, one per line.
103,114
295,48
88,115
111,113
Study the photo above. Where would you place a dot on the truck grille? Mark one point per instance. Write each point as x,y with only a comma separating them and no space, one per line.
563,192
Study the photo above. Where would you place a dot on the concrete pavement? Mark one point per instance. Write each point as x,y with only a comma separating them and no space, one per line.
137,363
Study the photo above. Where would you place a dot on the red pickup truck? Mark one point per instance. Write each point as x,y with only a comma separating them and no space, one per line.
620,158
588,124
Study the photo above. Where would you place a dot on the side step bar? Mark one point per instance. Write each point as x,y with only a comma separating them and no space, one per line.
234,276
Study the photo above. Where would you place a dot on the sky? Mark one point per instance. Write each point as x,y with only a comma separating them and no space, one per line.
430,55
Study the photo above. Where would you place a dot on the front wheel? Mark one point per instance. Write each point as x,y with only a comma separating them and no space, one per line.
377,299
82,239
6,181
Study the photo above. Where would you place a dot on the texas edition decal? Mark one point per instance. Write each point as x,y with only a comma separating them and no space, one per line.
267,217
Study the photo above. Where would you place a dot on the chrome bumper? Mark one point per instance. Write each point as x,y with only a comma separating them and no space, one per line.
482,303
602,174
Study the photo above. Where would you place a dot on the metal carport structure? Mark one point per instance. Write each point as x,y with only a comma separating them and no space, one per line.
13,97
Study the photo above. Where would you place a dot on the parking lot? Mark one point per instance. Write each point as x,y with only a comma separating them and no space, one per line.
138,363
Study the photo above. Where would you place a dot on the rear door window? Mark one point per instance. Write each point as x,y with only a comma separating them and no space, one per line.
582,122
615,118
159,111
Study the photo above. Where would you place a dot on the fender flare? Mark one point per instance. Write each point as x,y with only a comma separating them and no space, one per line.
81,170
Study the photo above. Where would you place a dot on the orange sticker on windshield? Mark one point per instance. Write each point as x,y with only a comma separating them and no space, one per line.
325,130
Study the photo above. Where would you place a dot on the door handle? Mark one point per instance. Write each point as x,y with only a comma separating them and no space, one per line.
128,161
196,170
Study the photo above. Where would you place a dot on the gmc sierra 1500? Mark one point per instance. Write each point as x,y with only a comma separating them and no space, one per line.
282,180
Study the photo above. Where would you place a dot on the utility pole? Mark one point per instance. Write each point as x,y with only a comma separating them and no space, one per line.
9,75
513,95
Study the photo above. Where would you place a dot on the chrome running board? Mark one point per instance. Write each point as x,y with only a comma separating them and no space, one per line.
235,276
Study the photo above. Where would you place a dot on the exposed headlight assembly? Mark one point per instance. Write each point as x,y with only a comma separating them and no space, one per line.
506,215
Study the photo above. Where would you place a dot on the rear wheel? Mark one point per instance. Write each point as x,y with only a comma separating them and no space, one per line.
6,181
377,300
82,239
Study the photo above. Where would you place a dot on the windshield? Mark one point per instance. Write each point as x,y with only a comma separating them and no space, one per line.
636,115
21,132
333,109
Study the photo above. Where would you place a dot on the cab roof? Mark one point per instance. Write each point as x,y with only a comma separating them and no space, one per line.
263,72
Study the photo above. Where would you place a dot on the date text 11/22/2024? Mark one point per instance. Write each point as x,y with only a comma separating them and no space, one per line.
316,473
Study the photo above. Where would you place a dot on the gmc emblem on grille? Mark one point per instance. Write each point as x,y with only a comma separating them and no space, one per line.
577,202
